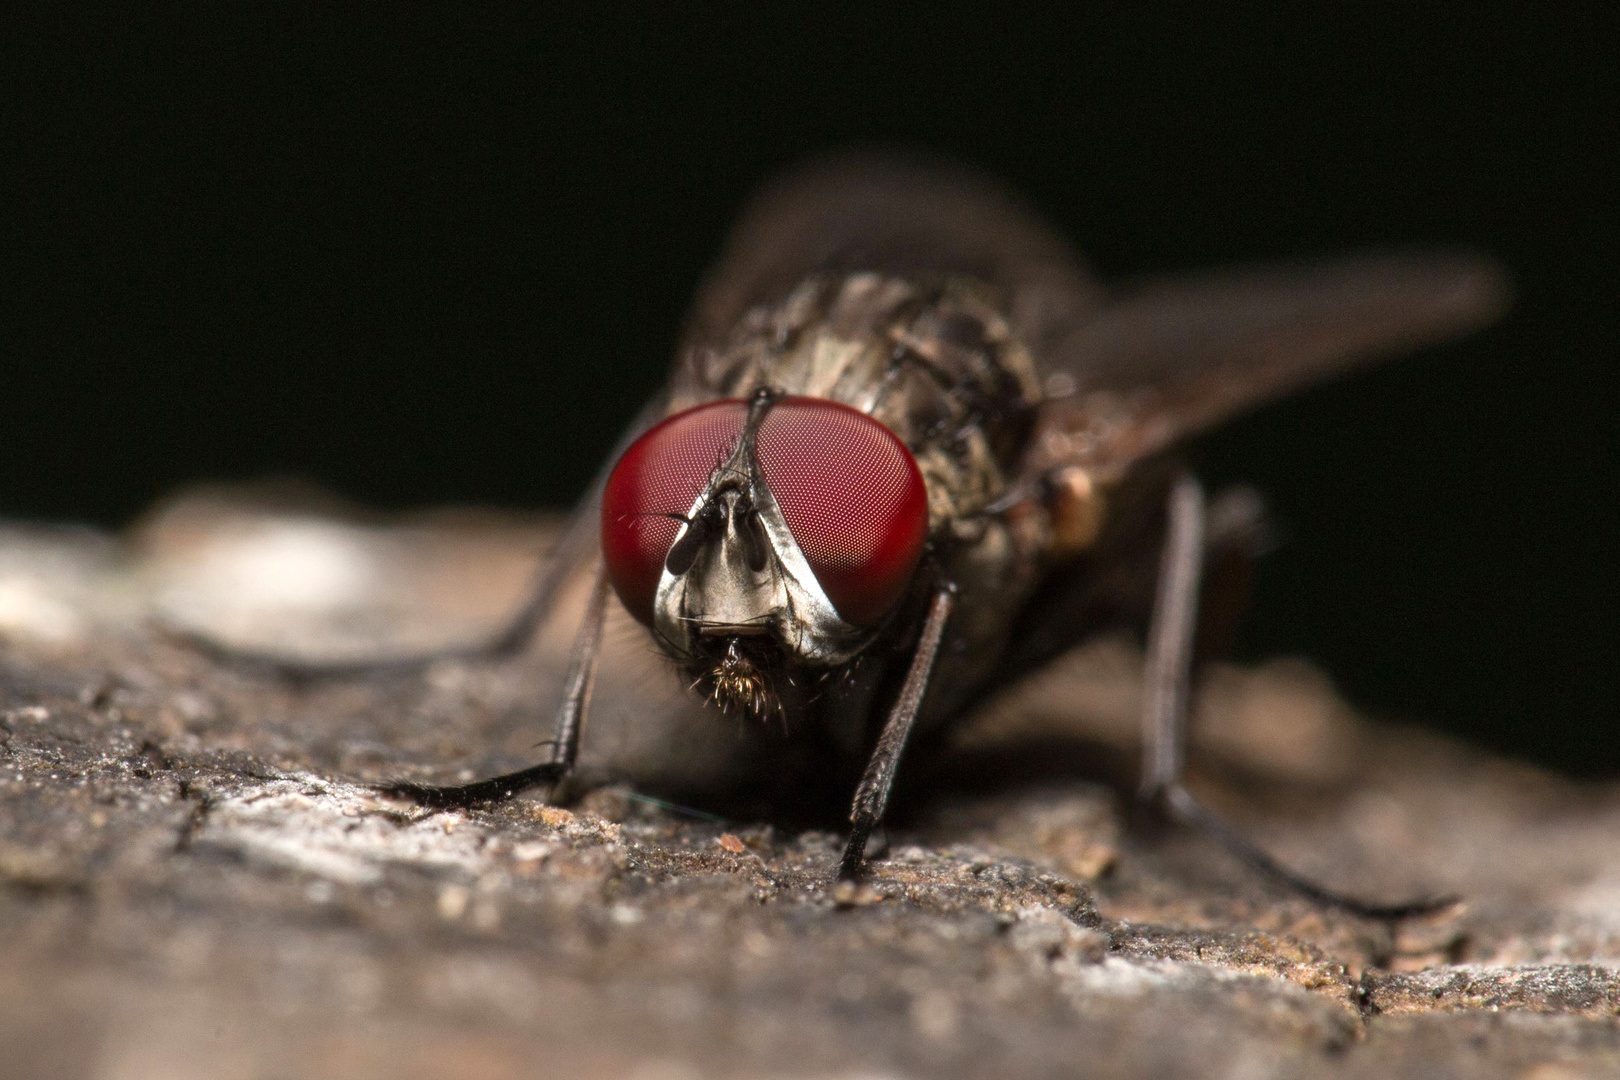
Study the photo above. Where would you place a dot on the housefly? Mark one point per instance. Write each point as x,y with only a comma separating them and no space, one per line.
909,448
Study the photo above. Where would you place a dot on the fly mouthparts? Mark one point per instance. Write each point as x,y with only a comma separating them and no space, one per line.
733,630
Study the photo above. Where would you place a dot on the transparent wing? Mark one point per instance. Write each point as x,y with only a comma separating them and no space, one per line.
1172,357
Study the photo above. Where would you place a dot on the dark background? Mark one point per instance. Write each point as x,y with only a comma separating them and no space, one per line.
442,257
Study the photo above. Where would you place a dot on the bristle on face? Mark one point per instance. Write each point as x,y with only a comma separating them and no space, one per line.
738,685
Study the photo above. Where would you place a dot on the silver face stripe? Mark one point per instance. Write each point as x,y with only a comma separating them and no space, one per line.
719,592
822,634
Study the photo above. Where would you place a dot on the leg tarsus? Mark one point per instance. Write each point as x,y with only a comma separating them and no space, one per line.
1178,805
479,792
852,867
564,745
1194,532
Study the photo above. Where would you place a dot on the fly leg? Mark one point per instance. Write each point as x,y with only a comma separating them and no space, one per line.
1170,658
506,641
872,796
580,540
565,743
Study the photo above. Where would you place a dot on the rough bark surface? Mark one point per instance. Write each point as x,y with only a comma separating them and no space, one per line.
196,880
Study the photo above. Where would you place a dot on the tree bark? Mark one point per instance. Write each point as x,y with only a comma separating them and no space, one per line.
196,880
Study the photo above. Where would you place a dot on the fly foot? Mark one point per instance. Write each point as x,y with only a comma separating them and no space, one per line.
478,793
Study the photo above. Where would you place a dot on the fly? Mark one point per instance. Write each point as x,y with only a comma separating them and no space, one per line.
909,449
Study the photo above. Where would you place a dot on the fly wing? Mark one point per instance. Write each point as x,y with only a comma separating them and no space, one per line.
1172,357
1127,375
899,216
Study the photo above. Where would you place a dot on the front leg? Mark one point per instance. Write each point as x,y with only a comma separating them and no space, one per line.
565,743
872,796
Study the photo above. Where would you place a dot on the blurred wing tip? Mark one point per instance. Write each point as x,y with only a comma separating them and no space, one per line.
1484,289
1468,288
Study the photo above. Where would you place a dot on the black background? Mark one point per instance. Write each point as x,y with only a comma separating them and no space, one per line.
442,257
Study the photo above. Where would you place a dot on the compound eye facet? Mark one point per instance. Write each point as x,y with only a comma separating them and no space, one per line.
853,498
652,489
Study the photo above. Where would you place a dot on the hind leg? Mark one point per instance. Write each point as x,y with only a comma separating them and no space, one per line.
1190,544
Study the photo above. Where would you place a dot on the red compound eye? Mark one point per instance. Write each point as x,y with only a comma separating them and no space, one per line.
852,497
848,489
660,475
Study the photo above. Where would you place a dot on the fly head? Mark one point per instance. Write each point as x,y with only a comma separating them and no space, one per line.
758,538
